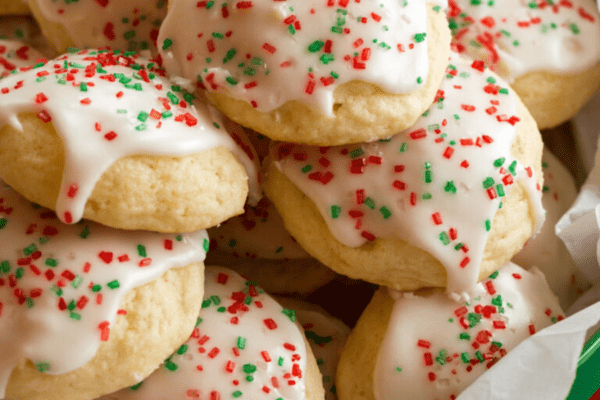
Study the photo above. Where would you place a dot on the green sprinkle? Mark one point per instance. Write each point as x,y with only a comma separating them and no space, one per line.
113,284
444,238
241,343
488,183
369,202
280,361
19,273
499,162
403,147
450,187
249,368
500,190
335,211
29,250
315,46
96,288
488,225
136,386
4,267
419,37
42,366
494,275
171,366
143,116
77,282
231,81
3,222
464,336
385,212
236,394
142,250
85,232
183,349
465,358
167,43
51,262
306,168
291,314
356,153
74,316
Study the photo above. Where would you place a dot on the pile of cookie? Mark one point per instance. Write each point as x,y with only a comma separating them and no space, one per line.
315,150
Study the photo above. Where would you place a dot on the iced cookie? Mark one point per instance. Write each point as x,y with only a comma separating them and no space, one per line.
126,25
256,245
428,345
86,309
326,336
316,72
105,136
245,345
17,56
548,51
546,250
444,203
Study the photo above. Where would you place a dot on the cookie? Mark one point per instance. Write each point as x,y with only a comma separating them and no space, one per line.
245,345
86,309
444,203
545,250
130,25
321,73
432,346
105,136
549,52
326,336
15,56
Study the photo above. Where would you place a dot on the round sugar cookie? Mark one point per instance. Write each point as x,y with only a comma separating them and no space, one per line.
86,309
105,136
245,345
428,345
550,53
545,250
444,203
308,72
257,246
130,25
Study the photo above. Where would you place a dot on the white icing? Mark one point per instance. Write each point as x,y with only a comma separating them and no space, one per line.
515,37
47,267
15,56
424,356
546,251
102,118
127,25
268,53
226,356
429,184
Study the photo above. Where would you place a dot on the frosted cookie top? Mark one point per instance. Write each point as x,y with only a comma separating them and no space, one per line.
64,283
258,233
16,56
436,346
245,345
436,185
515,37
127,25
270,52
326,336
107,105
